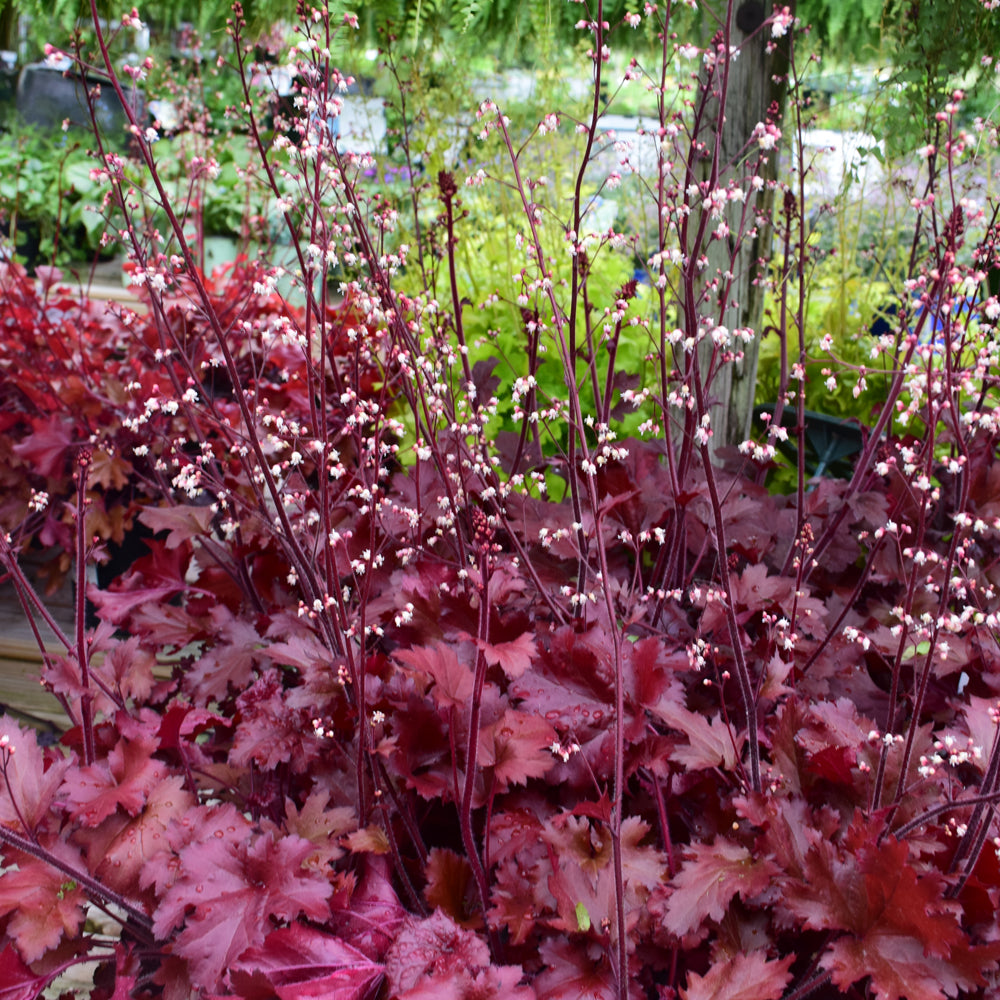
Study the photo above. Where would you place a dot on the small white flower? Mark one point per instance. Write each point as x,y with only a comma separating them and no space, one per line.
782,22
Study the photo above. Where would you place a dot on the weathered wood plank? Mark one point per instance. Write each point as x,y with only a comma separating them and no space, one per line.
21,690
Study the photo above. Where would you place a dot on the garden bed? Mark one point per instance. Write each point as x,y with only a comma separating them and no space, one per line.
468,647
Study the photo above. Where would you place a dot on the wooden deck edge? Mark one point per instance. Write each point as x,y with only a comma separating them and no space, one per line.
22,694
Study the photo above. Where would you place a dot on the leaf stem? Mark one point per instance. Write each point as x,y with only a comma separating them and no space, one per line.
82,650
91,885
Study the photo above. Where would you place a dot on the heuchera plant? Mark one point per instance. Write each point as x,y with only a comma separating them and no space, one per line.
404,700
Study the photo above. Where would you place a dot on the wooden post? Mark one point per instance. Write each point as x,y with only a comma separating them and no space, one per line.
756,84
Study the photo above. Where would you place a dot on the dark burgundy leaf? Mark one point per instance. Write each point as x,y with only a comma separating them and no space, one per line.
226,893
32,779
513,657
452,679
742,977
48,449
122,781
17,981
300,963
518,746
450,888
710,877
45,906
373,914
183,522
711,741
574,971
434,949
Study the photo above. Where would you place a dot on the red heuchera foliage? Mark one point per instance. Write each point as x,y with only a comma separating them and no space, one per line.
362,724
78,378
19,982
223,818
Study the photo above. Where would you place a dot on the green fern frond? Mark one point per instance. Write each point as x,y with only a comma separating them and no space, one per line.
424,15
543,28
464,14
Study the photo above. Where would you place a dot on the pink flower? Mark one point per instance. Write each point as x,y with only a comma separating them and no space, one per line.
783,20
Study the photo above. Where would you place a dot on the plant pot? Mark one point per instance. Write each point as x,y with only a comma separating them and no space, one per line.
48,96
830,442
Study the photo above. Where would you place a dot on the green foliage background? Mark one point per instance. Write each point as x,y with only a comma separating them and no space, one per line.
923,49
516,31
